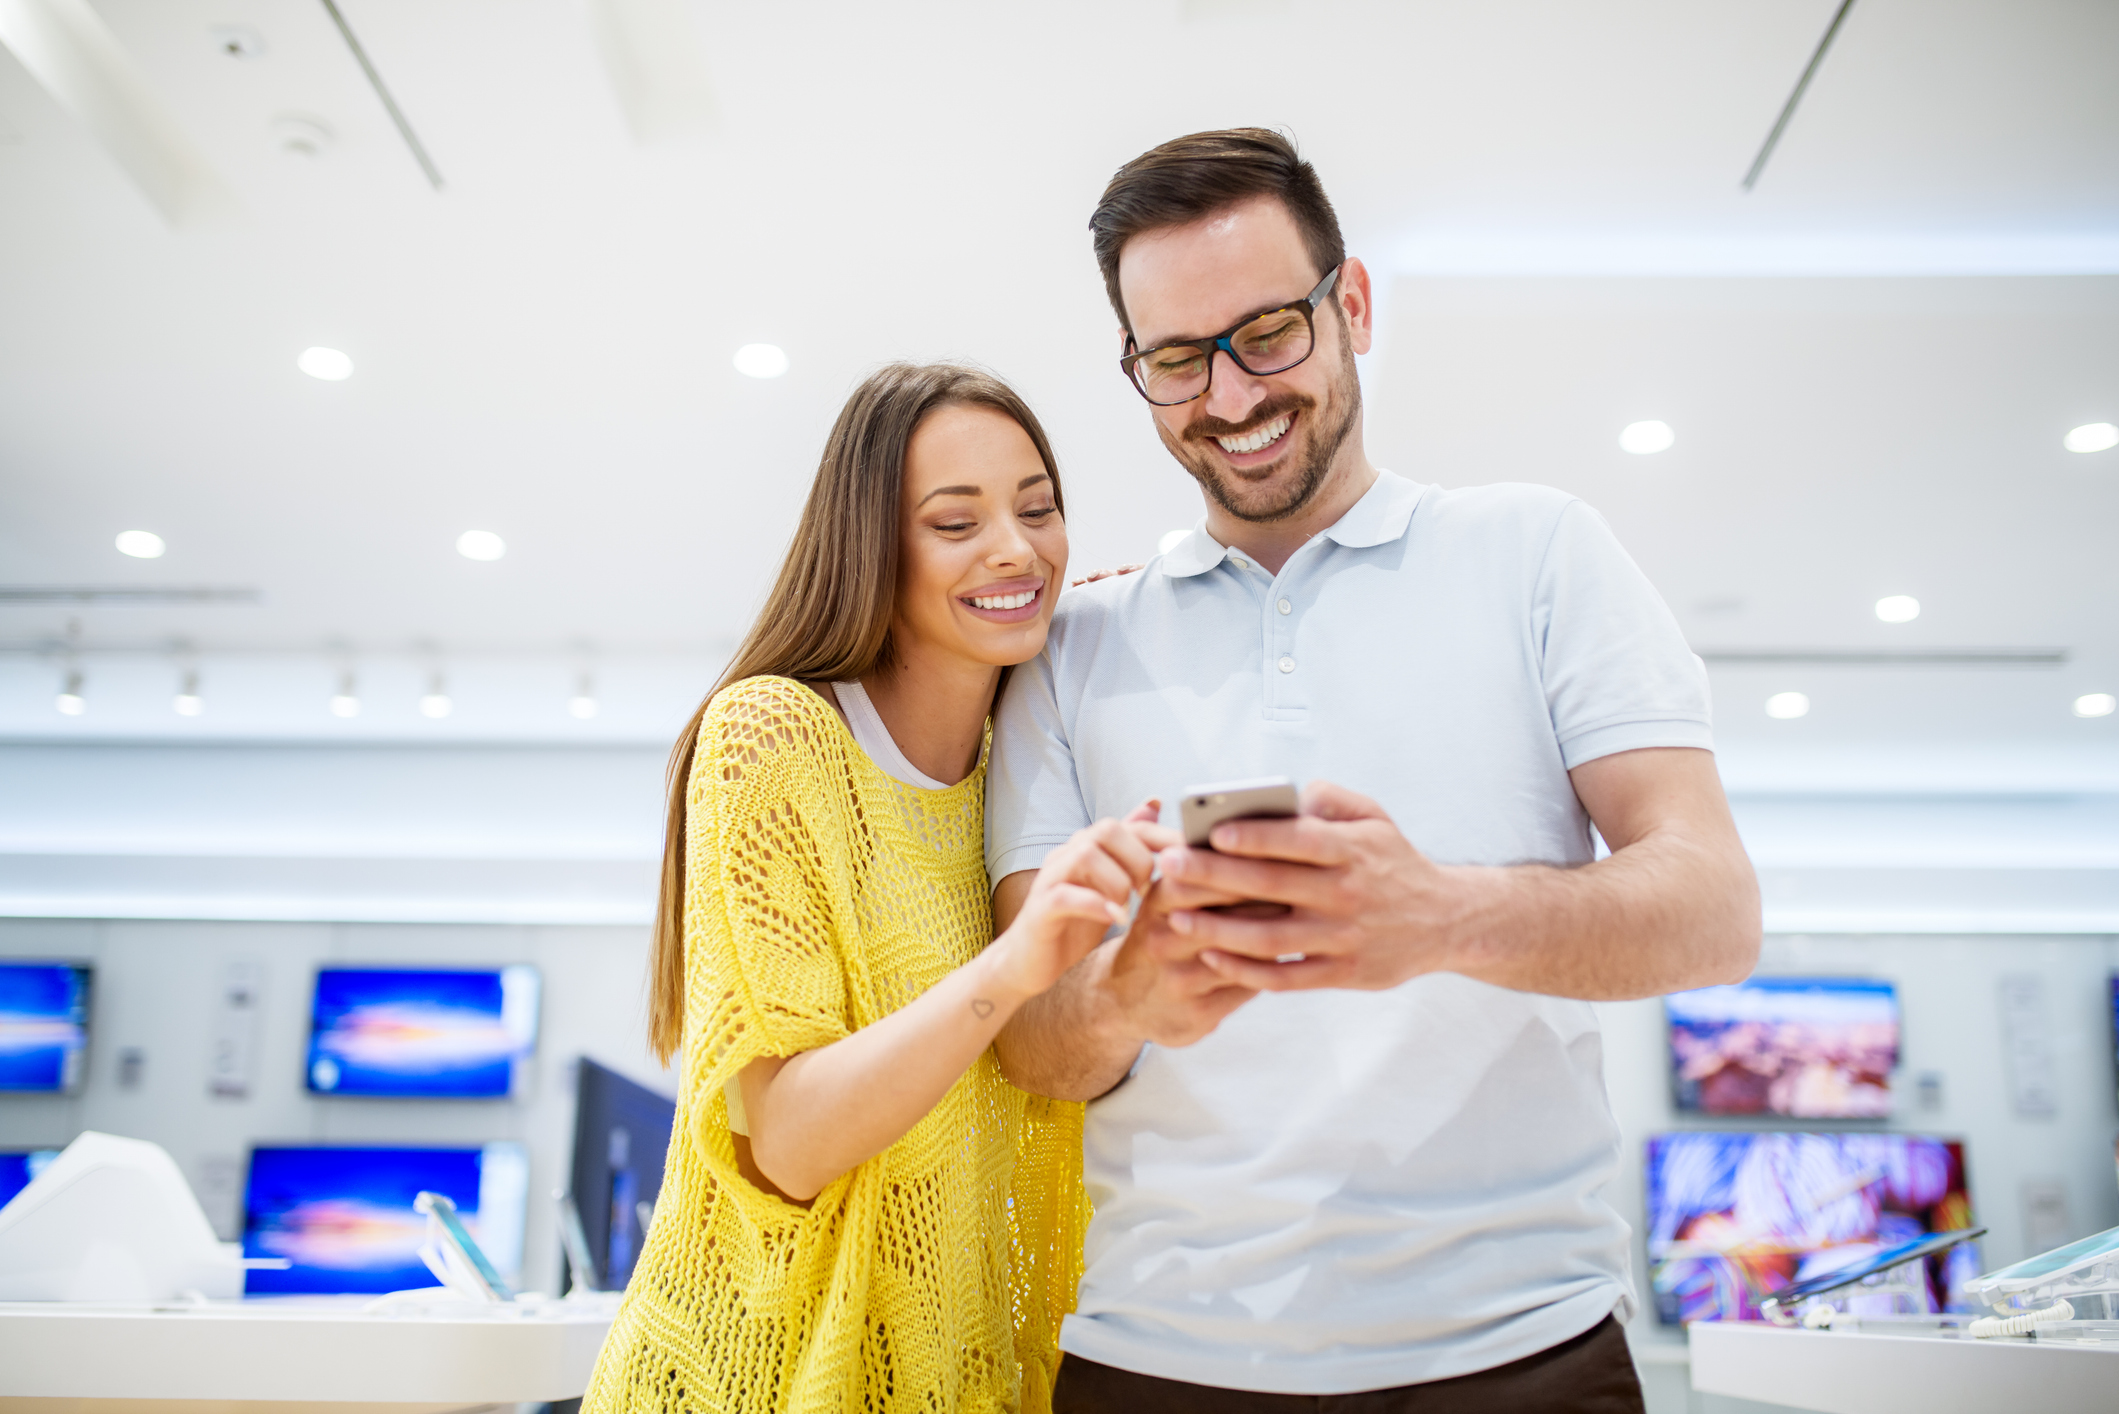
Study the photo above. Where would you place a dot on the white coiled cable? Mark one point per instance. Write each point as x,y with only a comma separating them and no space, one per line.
1987,1327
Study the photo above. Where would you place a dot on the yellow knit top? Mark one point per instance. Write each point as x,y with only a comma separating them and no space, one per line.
820,895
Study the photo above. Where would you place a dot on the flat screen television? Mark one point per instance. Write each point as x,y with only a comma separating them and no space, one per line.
621,1136
343,1215
1733,1218
1804,1047
18,1167
421,1033
2112,996
43,1026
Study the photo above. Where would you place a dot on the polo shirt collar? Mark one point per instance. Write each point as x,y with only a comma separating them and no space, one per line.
1379,517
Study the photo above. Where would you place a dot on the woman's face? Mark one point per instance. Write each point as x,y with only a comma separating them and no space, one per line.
983,550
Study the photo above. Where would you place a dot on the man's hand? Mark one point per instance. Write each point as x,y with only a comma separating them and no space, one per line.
1675,906
1365,910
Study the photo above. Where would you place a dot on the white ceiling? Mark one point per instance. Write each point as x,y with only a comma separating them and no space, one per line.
542,347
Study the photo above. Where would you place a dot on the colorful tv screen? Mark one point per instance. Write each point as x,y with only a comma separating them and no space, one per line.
343,1217
421,1033
1733,1218
1804,1047
18,1167
43,1026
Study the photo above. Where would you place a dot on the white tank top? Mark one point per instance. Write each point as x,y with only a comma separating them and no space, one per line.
875,739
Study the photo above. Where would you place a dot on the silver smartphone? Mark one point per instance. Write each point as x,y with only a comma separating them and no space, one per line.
1204,807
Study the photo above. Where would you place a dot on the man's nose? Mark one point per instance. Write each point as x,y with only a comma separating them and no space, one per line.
1233,393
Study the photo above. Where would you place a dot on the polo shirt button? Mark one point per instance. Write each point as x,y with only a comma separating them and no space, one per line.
1286,607
1287,665
1240,563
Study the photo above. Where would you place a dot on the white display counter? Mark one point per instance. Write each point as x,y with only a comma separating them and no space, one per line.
1928,1372
287,1352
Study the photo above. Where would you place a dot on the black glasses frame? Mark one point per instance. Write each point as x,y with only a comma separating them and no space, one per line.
1306,306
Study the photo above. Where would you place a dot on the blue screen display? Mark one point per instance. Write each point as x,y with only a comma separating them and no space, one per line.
18,1168
344,1216
43,1025
421,1033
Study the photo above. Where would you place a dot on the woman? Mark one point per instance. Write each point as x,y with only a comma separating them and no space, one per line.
858,1212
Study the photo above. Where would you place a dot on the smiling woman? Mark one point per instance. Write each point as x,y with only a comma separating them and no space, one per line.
858,1210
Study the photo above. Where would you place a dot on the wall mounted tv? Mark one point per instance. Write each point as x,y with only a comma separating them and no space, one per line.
1804,1047
18,1167
343,1216
43,1026
2112,996
1733,1218
422,1032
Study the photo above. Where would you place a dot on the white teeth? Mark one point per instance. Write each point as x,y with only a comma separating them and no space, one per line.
1006,601
1265,436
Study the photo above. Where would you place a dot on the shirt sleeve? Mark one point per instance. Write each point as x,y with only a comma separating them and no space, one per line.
1618,673
764,969
1033,795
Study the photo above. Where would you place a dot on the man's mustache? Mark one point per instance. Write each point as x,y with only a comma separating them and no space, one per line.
1211,426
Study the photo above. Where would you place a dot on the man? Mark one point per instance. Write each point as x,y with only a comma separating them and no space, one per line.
1355,1146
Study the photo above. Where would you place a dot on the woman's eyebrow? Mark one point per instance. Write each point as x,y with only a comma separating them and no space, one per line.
1025,484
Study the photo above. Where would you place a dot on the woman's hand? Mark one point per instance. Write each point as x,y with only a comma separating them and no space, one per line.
1079,894
816,1115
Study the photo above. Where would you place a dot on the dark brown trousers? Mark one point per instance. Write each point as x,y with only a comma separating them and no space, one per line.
1591,1374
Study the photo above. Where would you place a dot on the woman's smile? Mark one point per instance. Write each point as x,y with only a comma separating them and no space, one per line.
1007,601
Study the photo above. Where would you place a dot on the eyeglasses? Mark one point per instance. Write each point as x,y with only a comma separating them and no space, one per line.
1272,342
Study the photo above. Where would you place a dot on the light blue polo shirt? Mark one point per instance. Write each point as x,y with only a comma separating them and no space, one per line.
1340,1190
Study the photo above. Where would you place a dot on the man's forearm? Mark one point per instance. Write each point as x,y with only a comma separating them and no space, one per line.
1667,913
1067,1042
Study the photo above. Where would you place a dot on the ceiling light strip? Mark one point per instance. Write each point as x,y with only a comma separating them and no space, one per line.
1780,124
375,81
1910,658
90,594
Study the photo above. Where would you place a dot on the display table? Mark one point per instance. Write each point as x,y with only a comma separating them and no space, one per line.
1935,1371
239,1357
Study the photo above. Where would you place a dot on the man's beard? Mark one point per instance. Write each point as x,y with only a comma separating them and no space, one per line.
1312,462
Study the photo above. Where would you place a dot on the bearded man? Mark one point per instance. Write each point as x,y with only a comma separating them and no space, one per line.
1350,1146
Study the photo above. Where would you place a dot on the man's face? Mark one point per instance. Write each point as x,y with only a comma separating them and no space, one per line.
1194,282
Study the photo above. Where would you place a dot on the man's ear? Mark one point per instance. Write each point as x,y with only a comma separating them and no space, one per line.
1357,303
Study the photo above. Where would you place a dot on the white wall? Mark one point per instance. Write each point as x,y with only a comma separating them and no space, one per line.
154,989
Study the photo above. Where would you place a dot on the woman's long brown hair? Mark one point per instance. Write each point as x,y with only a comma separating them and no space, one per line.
829,614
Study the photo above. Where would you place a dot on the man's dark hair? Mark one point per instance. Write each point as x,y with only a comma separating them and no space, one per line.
1193,177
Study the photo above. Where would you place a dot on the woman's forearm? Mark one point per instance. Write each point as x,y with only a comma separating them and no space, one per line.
814,1116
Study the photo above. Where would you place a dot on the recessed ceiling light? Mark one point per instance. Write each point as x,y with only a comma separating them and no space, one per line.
436,704
1898,608
1786,705
2092,437
1646,438
140,544
2095,704
761,361
345,704
1169,541
327,364
480,545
